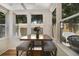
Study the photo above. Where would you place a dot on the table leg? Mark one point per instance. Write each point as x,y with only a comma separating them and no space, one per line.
42,47
32,46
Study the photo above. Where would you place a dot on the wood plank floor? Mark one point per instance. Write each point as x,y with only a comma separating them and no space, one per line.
9,53
13,53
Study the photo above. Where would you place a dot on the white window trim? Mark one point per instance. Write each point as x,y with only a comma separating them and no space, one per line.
22,25
5,11
5,32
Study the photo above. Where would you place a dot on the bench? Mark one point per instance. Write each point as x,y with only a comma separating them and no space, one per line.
49,46
23,47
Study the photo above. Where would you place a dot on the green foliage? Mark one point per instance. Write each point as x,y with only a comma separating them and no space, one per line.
2,18
21,19
37,18
69,9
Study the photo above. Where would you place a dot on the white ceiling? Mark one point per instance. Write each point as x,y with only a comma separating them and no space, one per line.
26,6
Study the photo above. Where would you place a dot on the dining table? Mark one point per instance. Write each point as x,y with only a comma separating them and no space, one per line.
42,38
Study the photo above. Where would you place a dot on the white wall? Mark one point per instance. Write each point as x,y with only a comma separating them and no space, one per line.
3,45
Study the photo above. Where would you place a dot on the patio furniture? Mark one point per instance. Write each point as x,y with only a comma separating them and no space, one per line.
23,47
65,35
74,42
50,47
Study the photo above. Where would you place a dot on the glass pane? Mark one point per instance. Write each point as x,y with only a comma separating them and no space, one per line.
2,24
53,21
23,31
36,19
69,9
70,34
54,17
21,19
2,31
2,18
33,32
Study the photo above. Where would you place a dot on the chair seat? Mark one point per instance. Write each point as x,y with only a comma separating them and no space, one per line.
49,46
23,46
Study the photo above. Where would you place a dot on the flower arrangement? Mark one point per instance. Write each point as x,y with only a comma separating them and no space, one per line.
37,29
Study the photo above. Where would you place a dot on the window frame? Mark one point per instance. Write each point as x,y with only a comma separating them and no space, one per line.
5,33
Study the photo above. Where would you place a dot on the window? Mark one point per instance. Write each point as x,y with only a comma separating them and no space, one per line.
21,19
33,32
23,31
70,27
2,25
69,9
37,19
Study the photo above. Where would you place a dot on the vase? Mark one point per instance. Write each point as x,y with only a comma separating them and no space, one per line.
37,36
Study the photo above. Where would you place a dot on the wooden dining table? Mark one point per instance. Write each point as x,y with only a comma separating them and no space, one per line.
33,38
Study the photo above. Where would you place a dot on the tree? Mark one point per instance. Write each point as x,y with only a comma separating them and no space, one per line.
2,18
69,9
21,19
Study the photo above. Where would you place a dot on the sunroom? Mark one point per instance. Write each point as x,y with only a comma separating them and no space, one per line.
23,26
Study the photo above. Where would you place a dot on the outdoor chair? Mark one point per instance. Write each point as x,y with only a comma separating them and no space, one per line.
74,42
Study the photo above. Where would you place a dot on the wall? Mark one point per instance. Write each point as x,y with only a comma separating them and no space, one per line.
3,45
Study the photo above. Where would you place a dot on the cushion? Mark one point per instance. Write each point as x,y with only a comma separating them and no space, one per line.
23,46
49,46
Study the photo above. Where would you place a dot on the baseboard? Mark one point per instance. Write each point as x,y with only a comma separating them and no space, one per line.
1,52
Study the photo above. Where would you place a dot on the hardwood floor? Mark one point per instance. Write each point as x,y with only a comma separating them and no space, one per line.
13,53
9,53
